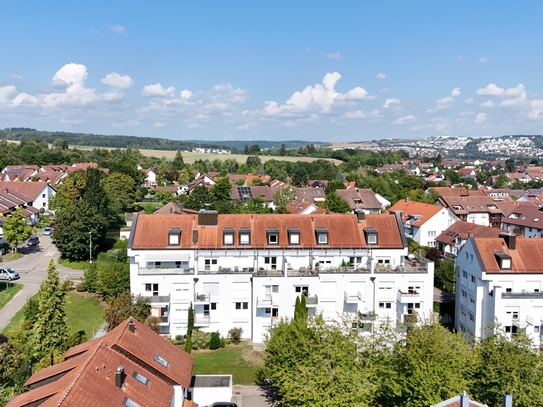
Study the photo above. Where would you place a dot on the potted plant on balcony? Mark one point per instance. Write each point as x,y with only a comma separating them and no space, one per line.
317,266
367,316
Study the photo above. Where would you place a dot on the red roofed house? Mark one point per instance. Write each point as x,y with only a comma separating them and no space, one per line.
423,222
129,366
500,279
453,238
247,270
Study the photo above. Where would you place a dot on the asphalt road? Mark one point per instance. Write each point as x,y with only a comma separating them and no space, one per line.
31,267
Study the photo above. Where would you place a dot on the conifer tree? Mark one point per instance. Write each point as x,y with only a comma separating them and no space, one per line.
190,324
50,329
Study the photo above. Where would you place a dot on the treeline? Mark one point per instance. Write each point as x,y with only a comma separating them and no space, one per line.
315,363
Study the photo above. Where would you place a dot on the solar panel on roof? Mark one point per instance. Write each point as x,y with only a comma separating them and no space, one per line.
245,193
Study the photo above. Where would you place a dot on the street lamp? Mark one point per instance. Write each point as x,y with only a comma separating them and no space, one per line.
90,247
372,279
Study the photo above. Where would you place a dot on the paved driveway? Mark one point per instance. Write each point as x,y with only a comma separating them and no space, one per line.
253,396
31,267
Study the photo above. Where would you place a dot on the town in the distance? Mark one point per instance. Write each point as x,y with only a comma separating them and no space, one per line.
383,273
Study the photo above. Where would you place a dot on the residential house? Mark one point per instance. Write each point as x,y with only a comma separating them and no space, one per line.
499,286
423,222
10,200
522,218
534,173
304,208
451,240
467,172
244,193
35,194
129,366
19,172
482,210
247,270
357,199
313,195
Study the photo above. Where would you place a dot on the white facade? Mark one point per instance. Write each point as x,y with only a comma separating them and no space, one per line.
255,288
426,234
512,298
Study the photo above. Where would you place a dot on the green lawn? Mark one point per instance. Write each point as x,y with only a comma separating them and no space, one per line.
238,360
83,313
7,292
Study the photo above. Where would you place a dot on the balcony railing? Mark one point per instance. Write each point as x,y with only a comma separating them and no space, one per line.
201,320
521,295
264,301
311,300
352,297
164,271
408,296
202,298
228,270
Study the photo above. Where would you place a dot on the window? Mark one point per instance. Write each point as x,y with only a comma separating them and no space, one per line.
244,236
357,201
174,237
44,204
273,236
431,233
467,255
161,360
130,403
472,279
322,236
228,236
385,305
206,310
508,290
464,294
209,262
242,305
140,378
267,311
213,306
275,313
464,274
301,290
536,329
471,317
293,236
275,288
152,288
43,195
272,261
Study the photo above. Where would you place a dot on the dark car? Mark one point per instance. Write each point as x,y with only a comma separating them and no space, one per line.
33,241
9,274
223,404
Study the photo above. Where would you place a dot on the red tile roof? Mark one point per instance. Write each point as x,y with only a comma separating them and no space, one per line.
464,229
344,231
412,208
527,258
359,198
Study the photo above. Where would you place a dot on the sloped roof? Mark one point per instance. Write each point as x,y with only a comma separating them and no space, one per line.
472,204
527,258
31,190
89,372
344,231
455,402
464,229
365,196
447,192
419,213
297,207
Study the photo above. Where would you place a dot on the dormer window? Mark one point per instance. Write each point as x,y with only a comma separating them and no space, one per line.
504,261
322,236
357,201
244,236
371,236
272,235
174,237
228,236
293,236
458,239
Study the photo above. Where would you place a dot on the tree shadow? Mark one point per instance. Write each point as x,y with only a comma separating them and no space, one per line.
270,392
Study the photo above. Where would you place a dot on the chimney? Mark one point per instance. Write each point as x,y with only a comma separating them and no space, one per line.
360,215
510,240
208,218
507,400
464,400
119,376
131,326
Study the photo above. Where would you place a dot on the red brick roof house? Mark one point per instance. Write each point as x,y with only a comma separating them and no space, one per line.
453,238
130,366
360,199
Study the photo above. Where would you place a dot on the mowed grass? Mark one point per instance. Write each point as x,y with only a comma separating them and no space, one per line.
84,312
190,157
238,360
7,292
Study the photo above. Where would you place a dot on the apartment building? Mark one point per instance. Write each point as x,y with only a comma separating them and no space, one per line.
499,279
247,270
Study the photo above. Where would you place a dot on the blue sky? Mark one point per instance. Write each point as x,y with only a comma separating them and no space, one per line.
277,70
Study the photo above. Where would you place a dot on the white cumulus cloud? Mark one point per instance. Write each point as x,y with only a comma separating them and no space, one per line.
119,29
469,101
157,90
391,101
118,81
381,76
406,119
480,118
488,103
455,92
335,55
491,90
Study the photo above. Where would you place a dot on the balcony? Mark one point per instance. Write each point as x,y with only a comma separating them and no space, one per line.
311,301
352,298
201,321
164,271
340,270
264,301
159,300
367,316
228,270
202,298
409,296
522,295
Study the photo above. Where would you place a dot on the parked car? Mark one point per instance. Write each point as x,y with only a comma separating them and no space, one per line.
9,274
33,241
223,404
47,231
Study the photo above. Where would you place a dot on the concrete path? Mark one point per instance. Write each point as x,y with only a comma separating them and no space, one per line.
253,396
31,267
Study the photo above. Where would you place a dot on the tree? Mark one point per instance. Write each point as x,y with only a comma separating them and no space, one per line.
178,161
282,197
90,278
254,149
282,150
121,190
60,144
502,181
190,324
215,341
50,329
16,229
221,190
188,344
335,204
333,185
125,305
200,197
445,275
253,161
246,150
114,279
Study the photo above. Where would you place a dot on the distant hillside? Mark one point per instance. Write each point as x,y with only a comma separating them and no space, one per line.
150,143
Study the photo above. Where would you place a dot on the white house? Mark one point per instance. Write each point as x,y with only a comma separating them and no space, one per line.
247,270
35,194
424,222
500,279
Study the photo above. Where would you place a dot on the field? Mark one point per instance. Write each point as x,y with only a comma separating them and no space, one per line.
83,313
190,157
238,360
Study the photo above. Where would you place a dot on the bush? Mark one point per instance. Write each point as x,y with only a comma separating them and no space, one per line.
200,340
75,339
80,288
90,279
188,345
178,339
215,341
234,335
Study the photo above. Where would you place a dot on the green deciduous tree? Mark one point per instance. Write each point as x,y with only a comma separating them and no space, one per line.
335,204
114,279
200,197
125,305
50,329
445,275
90,278
16,229
121,190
